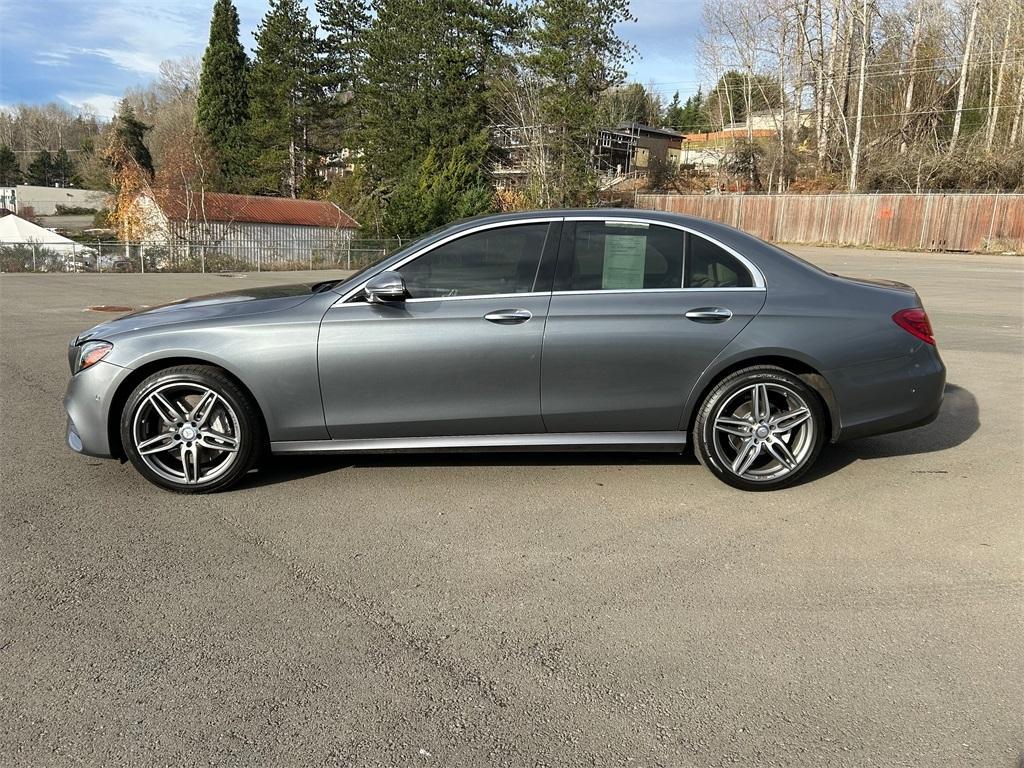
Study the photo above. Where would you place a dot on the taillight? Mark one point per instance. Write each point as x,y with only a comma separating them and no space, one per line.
915,322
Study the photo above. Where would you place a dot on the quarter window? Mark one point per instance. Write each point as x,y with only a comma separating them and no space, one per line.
500,260
609,256
711,266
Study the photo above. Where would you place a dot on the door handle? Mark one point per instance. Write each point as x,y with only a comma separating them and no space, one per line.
709,315
508,316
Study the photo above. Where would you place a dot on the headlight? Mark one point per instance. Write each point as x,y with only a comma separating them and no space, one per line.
87,354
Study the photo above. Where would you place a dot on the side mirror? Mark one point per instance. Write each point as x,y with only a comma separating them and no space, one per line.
386,287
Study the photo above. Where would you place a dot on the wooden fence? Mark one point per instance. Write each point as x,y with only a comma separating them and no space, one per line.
940,222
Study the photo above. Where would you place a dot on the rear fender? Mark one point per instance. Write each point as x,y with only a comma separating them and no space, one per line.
732,359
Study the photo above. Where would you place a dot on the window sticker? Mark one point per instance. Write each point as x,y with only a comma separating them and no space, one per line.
623,262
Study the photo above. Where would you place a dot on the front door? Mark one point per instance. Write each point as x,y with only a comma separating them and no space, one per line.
460,356
638,312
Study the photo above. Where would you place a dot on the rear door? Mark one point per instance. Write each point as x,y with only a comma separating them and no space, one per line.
640,309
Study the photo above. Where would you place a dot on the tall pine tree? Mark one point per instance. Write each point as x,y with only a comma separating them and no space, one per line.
673,113
577,55
286,92
222,104
343,24
426,130
694,117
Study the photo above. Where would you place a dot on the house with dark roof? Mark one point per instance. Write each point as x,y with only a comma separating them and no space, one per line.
630,147
241,229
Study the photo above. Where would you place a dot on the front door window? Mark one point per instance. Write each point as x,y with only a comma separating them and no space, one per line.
503,260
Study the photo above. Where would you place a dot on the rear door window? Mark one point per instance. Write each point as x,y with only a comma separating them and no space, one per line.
616,256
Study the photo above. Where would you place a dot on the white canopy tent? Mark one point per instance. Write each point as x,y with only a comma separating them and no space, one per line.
49,251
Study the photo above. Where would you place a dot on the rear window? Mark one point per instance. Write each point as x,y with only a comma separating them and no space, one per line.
710,266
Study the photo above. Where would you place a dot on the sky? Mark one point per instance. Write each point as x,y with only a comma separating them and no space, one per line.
85,53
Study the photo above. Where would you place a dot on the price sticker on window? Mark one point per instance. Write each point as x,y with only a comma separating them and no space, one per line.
623,262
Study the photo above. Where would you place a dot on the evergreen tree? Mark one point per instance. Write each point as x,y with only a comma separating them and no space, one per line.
674,113
222,104
285,88
10,170
437,192
127,144
424,107
40,169
64,169
344,24
577,55
693,117
343,55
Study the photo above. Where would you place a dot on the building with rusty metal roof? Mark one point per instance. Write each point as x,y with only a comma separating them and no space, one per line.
242,231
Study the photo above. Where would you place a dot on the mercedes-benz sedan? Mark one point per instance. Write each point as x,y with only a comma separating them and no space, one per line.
554,330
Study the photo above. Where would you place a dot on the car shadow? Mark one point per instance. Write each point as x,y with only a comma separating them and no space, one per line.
958,419
957,422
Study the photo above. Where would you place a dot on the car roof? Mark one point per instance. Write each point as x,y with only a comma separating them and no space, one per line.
729,235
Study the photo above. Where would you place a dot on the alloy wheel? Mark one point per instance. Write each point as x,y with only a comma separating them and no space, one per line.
763,432
186,432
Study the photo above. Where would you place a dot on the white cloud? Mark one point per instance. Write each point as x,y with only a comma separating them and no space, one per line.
52,58
137,61
103,104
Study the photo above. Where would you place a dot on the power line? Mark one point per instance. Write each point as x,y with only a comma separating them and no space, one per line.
853,73
875,69
743,127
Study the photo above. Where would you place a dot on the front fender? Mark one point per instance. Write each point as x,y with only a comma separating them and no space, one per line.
273,357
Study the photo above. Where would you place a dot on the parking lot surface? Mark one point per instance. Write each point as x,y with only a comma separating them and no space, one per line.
476,610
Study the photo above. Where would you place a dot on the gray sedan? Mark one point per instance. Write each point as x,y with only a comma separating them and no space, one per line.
554,330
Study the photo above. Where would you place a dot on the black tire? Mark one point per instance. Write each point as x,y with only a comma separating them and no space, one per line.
723,451
236,416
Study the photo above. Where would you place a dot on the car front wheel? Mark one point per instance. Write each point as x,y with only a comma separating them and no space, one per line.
760,428
191,429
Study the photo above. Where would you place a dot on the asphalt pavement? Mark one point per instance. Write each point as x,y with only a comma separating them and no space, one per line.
485,610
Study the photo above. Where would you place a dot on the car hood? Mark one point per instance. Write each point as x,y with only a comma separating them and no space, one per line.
214,306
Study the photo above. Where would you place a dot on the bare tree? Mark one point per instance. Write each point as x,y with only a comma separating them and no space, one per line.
993,116
962,82
865,21
908,101
1015,130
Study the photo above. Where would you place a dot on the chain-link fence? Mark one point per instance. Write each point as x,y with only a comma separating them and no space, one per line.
190,257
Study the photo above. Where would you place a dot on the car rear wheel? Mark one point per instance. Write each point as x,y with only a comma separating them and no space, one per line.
760,428
191,429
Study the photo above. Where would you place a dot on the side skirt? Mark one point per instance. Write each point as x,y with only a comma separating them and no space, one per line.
568,441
